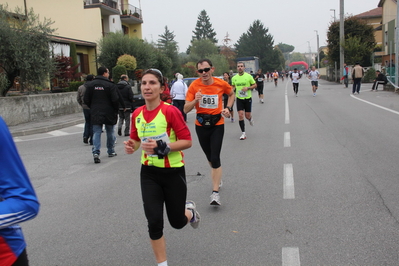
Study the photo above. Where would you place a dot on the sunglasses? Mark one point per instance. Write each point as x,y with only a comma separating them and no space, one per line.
203,70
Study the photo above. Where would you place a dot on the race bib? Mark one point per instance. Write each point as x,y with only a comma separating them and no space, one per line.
260,79
209,101
243,93
164,136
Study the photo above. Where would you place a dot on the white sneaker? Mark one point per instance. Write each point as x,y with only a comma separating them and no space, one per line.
215,199
243,136
251,122
194,222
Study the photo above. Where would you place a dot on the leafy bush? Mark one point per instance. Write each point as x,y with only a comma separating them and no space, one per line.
74,85
128,61
369,76
117,71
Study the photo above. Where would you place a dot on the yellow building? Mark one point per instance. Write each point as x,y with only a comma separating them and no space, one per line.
389,8
374,18
84,22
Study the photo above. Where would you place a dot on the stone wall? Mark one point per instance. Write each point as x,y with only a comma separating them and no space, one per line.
21,109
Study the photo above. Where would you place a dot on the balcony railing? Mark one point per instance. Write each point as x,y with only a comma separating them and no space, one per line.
133,11
110,3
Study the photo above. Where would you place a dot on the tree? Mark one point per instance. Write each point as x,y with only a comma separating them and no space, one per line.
24,48
295,57
203,48
354,27
169,47
116,44
228,52
117,72
203,28
257,42
285,48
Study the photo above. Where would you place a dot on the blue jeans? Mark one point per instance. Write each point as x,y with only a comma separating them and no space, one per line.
356,85
109,129
88,129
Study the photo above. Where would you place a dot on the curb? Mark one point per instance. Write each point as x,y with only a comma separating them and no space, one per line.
44,129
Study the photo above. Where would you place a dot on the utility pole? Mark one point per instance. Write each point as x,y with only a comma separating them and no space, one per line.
341,36
334,14
318,52
310,55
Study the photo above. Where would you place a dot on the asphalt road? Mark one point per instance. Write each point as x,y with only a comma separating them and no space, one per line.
315,183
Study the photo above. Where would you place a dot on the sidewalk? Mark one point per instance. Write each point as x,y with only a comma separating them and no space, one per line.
47,124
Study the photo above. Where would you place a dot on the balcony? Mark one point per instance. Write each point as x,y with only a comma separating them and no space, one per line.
107,7
131,15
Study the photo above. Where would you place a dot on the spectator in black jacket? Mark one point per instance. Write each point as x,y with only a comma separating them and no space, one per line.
102,98
380,79
126,92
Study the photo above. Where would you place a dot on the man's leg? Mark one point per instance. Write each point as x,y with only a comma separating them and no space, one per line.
97,129
127,122
121,114
110,140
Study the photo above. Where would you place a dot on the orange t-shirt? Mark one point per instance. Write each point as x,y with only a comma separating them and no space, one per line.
212,97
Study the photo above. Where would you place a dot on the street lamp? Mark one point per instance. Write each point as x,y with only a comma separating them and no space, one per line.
334,13
318,52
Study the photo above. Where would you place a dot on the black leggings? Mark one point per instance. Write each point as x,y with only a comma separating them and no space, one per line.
296,86
211,140
161,186
22,259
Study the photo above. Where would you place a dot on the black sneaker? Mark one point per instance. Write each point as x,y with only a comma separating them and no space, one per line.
119,132
112,154
96,158
85,140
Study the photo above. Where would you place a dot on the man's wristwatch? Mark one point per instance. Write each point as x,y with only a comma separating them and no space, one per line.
230,109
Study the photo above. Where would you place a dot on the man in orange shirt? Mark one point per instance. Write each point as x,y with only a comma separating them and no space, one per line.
206,95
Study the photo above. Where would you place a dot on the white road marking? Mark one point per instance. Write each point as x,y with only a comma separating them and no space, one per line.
376,105
290,256
287,110
288,187
58,133
287,139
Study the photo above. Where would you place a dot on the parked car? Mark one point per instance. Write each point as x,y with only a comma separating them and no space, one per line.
188,81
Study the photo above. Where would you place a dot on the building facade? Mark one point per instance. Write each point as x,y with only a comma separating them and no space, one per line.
83,22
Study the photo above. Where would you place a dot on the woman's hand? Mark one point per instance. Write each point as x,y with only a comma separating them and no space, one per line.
148,146
129,146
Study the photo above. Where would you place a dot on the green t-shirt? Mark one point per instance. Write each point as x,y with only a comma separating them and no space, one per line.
245,80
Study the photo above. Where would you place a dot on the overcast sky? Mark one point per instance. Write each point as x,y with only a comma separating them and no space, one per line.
289,21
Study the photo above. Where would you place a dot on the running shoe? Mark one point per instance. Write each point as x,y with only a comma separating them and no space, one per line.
262,101
314,94
243,136
215,199
251,122
232,120
96,158
112,154
194,222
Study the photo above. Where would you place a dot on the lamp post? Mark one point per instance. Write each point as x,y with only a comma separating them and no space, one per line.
334,13
318,52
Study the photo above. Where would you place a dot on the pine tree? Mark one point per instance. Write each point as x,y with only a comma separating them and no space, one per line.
168,46
203,28
258,42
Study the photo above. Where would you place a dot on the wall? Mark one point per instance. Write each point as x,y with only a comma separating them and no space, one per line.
22,109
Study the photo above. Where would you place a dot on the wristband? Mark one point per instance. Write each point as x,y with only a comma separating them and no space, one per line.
230,109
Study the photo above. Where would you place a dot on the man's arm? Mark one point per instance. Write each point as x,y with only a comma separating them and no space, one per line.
18,201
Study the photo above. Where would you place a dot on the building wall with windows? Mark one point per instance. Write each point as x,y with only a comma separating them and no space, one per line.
84,22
